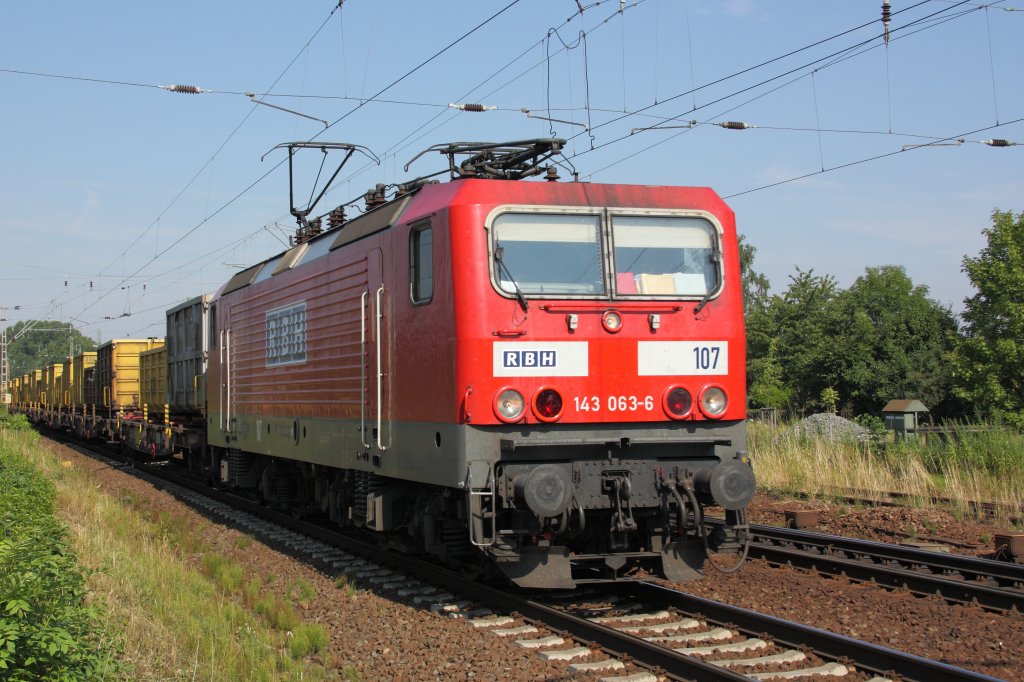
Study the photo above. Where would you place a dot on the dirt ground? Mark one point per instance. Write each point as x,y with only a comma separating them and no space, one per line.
384,638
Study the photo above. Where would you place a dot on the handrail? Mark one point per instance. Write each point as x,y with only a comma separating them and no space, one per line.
380,372
362,373
227,343
221,392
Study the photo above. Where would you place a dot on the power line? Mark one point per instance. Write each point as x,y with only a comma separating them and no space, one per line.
837,56
271,170
222,145
872,158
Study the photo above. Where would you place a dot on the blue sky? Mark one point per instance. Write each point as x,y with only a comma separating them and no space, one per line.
140,198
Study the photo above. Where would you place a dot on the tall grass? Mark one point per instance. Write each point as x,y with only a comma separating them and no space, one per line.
975,463
175,622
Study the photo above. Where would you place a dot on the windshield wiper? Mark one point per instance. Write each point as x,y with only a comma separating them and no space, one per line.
499,253
716,257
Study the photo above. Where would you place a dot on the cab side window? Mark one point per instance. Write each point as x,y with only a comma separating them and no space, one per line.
213,326
421,264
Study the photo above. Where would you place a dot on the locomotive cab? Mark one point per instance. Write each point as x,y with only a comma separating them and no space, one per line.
604,360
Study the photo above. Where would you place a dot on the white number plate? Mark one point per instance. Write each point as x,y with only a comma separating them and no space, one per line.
682,358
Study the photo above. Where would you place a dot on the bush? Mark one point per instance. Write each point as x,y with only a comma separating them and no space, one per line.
13,422
878,434
46,630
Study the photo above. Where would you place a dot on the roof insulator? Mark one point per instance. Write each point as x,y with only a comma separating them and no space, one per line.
736,125
187,89
336,218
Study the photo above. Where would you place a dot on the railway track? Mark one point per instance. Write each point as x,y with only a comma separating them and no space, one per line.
993,585
890,498
978,507
632,631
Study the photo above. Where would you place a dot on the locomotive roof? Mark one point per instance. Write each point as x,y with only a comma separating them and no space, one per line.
370,222
502,191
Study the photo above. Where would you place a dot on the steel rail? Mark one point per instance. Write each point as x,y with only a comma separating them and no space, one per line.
920,571
877,659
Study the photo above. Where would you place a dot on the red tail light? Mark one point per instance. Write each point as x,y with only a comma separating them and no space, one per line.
678,402
547,405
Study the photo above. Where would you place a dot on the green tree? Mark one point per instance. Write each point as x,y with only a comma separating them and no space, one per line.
767,388
989,362
880,339
755,285
892,342
802,319
829,399
46,343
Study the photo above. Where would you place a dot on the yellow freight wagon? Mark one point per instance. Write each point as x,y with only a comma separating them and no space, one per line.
67,380
153,378
117,372
41,393
83,361
38,386
52,385
55,387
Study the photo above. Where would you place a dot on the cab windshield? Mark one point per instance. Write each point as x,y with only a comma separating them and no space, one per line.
664,256
566,254
548,254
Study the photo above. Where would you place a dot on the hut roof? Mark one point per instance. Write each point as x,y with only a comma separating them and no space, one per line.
904,406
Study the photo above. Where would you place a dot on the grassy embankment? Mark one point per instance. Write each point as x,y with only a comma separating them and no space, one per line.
48,631
975,464
171,618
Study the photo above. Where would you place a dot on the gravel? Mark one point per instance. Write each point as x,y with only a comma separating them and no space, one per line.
832,427
379,635
385,638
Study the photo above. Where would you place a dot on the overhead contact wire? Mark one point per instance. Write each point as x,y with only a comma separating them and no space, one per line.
223,144
807,65
870,158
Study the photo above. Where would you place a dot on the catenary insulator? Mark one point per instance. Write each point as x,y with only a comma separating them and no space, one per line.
736,125
886,17
188,89
999,143
472,107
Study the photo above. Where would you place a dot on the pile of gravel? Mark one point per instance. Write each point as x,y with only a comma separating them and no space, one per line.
831,426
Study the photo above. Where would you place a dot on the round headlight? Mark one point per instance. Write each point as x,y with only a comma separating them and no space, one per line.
547,405
713,401
509,405
611,321
678,402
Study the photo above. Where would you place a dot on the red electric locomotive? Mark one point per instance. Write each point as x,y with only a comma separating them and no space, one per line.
548,375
